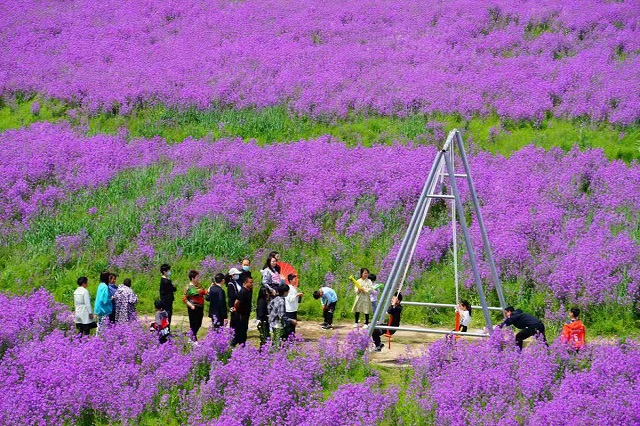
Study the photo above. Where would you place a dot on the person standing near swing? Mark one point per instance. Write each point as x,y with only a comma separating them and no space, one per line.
528,324
362,304
464,309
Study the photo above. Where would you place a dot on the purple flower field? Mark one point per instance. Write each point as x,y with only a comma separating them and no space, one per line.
565,222
125,376
520,59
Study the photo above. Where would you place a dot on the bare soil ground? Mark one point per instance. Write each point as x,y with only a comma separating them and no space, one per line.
404,344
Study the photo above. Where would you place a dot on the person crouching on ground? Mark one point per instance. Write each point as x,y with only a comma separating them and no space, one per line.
394,311
329,300
278,319
574,332
528,324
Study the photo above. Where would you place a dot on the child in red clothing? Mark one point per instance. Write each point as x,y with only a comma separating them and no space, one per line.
574,332
162,322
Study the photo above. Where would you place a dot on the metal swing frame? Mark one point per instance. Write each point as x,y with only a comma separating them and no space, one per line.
442,168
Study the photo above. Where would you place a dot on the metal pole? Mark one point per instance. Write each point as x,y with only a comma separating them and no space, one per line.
467,238
483,231
455,239
413,232
430,330
447,305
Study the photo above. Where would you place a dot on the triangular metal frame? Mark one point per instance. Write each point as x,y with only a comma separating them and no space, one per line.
443,167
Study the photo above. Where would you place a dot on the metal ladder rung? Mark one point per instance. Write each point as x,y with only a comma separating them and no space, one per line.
429,330
448,305
446,197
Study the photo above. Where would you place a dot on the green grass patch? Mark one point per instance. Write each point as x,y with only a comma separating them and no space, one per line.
279,124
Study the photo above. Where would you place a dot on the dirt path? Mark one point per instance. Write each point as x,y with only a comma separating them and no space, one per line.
404,344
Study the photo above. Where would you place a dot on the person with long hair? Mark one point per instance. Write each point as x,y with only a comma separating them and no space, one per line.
362,304
194,299
271,278
464,309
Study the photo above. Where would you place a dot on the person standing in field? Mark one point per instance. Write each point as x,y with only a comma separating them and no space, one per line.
194,299
329,299
362,304
125,300
464,309
245,269
167,290
241,313
217,302
292,301
574,332
278,320
233,286
113,287
103,306
528,324
374,292
271,278
82,302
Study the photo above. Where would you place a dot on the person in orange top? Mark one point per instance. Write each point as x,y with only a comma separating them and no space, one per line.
194,299
574,332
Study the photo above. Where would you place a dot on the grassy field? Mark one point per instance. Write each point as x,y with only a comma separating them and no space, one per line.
277,124
34,259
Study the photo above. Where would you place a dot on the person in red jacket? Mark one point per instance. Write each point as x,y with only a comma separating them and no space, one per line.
574,332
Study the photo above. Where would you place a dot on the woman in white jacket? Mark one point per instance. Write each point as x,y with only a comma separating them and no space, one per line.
82,302
362,304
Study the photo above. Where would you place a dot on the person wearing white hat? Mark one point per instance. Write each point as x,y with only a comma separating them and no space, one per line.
233,288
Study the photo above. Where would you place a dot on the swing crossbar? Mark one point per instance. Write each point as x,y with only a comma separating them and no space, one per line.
430,330
448,305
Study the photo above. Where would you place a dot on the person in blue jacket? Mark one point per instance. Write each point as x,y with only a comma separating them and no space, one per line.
103,306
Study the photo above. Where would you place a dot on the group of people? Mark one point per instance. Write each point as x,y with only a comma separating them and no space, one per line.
276,310
276,307
114,303
573,332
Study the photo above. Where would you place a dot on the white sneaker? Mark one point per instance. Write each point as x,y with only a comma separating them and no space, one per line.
365,326
355,325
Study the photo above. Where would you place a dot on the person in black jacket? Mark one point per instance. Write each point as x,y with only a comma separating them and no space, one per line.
166,290
241,312
394,311
529,324
217,302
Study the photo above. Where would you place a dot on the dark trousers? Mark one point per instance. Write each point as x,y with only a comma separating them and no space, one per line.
195,320
240,325
525,333
290,329
463,329
263,329
85,329
328,313
377,334
366,318
215,322
169,308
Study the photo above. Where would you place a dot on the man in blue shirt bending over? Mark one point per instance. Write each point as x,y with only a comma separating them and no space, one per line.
329,300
